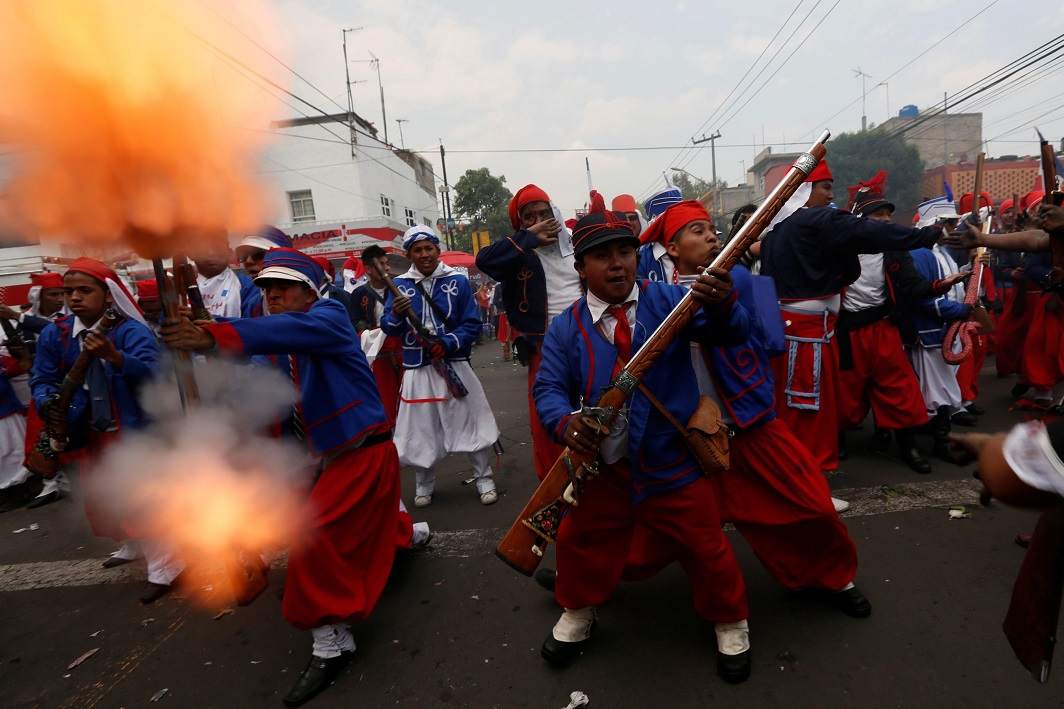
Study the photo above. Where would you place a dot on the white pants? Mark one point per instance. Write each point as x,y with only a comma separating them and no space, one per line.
331,640
163,564
938,379
425,478
12,451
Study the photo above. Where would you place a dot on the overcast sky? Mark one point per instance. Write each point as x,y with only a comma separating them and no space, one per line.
500,75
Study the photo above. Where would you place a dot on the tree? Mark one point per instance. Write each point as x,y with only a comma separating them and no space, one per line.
690,186
857,156
481,201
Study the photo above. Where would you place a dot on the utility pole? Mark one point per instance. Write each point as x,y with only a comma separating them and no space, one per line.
380,84
712,140
350,98
945,131
864,98
446,197
400,122
886,86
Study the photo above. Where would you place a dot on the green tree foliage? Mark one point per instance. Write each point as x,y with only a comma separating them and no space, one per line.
480,203
857,156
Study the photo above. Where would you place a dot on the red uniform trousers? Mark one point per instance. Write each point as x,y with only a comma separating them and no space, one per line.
806,383
337,572
544,450
1041,348
881,377
595,537
388,373
1010,330
34,426
103,524
968,372
780,502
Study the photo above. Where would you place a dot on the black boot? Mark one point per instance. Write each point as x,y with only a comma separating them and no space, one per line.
843,453
545,578
910,454
319,673
943,449
881,440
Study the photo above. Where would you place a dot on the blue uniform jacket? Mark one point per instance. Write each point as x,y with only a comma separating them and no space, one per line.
454,298
813,252
57,350
9,402
578,362
338,396
513,262
250,297
741,373
927,320
647,266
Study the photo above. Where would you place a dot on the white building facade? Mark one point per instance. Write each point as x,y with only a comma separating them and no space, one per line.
336,190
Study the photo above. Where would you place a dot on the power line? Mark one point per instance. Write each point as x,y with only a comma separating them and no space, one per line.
974,89
737,84
905,66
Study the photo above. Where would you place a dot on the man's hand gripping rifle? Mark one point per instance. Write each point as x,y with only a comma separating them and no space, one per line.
537,524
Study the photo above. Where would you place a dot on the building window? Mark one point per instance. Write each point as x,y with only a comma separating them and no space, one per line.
302,205
428,222
411,220
386,206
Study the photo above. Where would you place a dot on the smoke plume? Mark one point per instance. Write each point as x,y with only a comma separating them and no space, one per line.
126,124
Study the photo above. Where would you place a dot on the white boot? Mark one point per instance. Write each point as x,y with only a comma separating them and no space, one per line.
733,651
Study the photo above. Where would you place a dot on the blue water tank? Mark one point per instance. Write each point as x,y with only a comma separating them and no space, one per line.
909,111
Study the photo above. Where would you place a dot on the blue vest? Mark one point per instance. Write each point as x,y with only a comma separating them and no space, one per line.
459,328
577,367
927,320
338,400
647,266
56,352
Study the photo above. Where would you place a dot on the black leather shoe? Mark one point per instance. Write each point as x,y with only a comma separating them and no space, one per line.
963,418
546,578
113,561
975,409
154,591
53,496
916,462
853,603
1019,390
559,653
843,453
319,673
734,669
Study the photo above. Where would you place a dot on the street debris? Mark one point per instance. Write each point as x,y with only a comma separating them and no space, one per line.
82,657
160,694
958,513
32,528
93,635
577,699
146,622
256,662
223,613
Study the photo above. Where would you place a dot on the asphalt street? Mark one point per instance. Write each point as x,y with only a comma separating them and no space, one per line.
458,628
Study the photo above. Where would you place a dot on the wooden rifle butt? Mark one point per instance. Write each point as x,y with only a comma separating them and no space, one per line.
522,548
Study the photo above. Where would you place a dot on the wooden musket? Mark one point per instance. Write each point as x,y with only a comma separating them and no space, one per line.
43,458
964,330
537,525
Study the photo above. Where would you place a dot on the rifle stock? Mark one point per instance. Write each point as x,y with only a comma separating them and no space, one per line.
536,526
43,458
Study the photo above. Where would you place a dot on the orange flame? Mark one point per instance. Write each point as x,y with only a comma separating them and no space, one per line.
124,119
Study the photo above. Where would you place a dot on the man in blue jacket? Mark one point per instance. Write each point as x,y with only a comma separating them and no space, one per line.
648,477
336,576
433,420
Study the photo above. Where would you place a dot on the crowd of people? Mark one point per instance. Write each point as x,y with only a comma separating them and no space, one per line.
837,311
